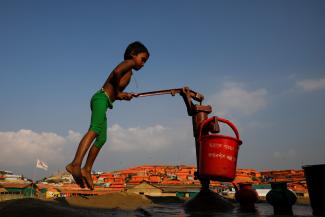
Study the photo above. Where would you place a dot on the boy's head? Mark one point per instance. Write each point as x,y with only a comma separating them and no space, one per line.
135,48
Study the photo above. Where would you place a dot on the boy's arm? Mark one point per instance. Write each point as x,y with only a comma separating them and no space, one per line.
119,72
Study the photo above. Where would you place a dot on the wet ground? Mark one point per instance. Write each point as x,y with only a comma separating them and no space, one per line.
262,209
38,208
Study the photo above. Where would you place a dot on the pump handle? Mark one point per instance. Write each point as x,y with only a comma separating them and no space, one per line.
195,95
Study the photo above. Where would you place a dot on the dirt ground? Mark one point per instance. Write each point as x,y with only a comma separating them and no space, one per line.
121,204
121,200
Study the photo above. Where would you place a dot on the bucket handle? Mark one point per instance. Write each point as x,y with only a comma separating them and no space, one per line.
207,121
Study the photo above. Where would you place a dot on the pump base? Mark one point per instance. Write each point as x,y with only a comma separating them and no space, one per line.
207,200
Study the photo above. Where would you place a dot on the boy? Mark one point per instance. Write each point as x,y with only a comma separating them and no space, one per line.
135,56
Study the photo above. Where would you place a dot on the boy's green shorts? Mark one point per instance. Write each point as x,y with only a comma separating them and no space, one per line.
99,104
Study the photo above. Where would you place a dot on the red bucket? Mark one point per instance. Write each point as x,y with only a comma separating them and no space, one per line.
218,153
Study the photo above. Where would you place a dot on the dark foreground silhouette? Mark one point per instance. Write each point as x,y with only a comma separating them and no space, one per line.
119,203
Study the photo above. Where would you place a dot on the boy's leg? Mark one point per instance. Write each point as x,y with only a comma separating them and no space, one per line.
75,166
86,170
99,105
93,152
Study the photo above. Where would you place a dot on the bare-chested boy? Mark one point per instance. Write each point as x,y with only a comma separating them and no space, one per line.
135,56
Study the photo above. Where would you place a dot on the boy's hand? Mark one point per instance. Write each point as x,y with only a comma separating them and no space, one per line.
135,94
125,96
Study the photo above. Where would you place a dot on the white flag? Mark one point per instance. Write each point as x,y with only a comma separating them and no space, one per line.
41,164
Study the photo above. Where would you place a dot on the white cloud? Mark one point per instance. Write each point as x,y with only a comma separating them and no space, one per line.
73,137
285,155
234,98
20,149
311,85
25,146
152,138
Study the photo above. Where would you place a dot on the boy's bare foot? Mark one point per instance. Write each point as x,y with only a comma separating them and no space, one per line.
75,171
86,175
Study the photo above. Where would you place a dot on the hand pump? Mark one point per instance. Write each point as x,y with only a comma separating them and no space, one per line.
198,112
216,155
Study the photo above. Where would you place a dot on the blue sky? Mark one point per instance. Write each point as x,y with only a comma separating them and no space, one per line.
259,64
